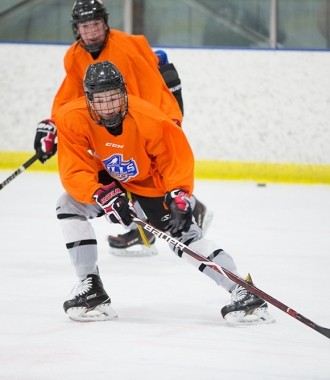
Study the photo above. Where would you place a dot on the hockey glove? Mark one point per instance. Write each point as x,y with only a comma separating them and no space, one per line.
173,82
171,77
45,142
179,204
115,204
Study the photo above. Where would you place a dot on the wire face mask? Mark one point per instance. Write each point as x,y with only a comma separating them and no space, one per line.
108,108
93,35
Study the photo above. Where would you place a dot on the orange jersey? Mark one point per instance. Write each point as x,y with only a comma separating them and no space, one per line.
136,61
150,157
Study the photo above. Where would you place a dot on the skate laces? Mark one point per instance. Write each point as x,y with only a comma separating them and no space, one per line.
81,287
239,293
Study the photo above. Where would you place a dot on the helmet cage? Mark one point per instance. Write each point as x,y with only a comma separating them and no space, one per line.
113,121
104,77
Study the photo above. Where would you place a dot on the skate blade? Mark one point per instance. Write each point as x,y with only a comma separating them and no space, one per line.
259,316
102,312
135,251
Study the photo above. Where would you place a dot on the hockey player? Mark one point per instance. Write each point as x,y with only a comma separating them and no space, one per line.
147,75
117,145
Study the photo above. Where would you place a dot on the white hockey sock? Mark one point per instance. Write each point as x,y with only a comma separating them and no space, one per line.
211,251
80,241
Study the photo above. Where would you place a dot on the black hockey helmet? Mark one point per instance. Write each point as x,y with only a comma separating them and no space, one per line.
103,77
87,10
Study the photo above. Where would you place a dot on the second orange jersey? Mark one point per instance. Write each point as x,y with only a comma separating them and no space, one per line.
136,61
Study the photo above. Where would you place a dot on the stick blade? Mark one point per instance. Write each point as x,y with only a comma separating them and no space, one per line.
323,330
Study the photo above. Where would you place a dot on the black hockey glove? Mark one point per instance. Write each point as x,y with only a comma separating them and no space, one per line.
45,142
115,204
179,204
171,77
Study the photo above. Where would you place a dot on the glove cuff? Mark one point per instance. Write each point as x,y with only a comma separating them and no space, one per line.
180,197
50,123
105,193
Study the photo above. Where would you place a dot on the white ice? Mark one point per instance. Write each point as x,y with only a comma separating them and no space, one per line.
169,325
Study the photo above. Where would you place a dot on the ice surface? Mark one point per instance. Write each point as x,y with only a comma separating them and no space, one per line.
169,325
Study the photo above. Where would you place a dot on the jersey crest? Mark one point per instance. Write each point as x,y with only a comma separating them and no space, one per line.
119,169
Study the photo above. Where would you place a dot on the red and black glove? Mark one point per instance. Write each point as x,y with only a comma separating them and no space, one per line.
115,204
179,204
45,142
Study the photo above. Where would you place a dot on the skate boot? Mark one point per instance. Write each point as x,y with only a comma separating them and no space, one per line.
203,217
131,244
246,308
88,301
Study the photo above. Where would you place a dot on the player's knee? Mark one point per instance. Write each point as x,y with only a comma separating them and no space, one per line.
67,207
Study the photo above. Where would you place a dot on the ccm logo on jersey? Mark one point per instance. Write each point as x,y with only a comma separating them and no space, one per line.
114,145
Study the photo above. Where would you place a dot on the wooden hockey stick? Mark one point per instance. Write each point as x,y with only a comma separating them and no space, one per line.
20,170
217,268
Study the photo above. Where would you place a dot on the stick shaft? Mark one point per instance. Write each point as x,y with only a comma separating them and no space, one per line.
252,288
20,170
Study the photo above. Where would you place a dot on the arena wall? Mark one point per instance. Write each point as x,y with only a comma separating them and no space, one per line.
249,114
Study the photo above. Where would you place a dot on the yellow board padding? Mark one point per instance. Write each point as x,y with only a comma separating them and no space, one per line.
261,172
13,160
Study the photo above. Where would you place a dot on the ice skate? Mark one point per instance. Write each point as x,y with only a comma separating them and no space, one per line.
246,308
203,217
89,302
131,244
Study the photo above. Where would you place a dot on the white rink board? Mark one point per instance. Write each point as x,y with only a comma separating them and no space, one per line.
240,105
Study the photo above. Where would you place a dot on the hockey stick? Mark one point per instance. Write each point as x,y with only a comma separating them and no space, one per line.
217,268
20,170
141,232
